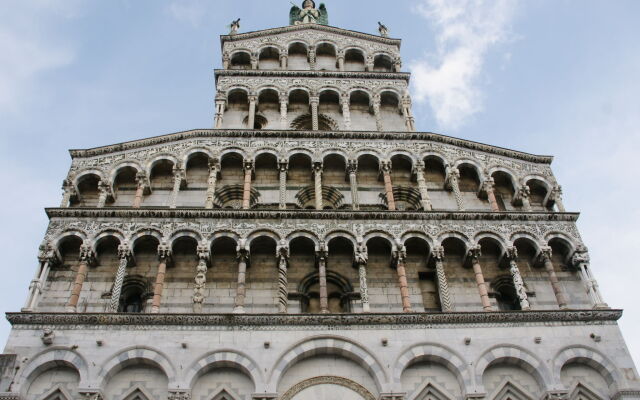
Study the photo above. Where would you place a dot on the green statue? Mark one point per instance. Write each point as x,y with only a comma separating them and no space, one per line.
309,14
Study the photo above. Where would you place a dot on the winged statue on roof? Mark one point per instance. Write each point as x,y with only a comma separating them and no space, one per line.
309,14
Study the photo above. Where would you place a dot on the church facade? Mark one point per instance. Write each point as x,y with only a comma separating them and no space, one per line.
313,245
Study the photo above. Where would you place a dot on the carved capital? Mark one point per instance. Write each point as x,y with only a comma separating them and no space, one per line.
580,258
282,251
474,253
47,253
352,166
386,166
317,167
323,252
87,254
283,165
512,253
438,253
400,255
203,251
247,165
545,253
125,252
164,252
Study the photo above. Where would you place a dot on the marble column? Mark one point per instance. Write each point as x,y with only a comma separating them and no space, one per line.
178,179
226,60
221,104
317,177
453,175
104,193
201,277
522,196
141,184
284,105
422,186
556,197
282,253
321,256
246,192
388,186
376,112
314,102
397,64
284,59
251,123
408,115
241,291
400,258
340,58
312,58
488,186
545,254
475,253
214,170
125,255
361,259
254,60
443,284
352,168
164,254
67,192
46,257
518,282
345,101
87,257
283,168
581,261
369,63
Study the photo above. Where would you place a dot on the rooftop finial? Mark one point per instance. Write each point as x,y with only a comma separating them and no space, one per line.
384,31
308,14
235,25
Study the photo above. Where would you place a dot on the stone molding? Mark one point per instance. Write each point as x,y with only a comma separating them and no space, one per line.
337,320
294,134
623,394
312,74
327,380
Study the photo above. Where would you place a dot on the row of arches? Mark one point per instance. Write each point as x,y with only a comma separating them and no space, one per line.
422,371
271,181
302,274
299,56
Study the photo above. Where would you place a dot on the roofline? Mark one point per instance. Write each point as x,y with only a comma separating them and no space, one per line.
292,28
295,134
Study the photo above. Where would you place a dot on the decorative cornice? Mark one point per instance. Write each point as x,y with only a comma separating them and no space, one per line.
294,134
626,393
307,214
313,319
312,74
304,27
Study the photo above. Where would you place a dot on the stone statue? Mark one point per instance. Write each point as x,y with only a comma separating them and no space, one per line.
235,25
309,14
384,31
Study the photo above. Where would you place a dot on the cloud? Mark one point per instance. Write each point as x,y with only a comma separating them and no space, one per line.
465,31
189,11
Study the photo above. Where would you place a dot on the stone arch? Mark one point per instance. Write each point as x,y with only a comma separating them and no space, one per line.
590,357
474,165
336,152
513,177
192,151
454,234
182,233
570,242
333,380
525,235
224,234
85,174
369,152
383,235
262,232
526,179
514,355
123,164
435,353
266,150
146,232
417,234
297,151
402,152
100,236
58,239
341,234
335,345
160,157
434,154
225,359
363,89
504,243
234,150
131,356
392,90
300,87
306,234
51,358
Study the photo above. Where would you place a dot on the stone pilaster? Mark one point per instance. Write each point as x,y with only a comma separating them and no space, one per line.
400,257
408,115
314,102
580,261
376,112
443,284
246,192
321,256
453,176
241,291
518,282
545,255
488,186
397,64
283,168
352,169
164,255
284,105
178,179
422,186
141,184
251,122
361,259
221,105
254,61
388,185
284,59
46,257
522,197
340,56
104,193
317,178
87,257
312,58
68,191
226,60
282,253
556,197
201,277
125,255
474,254
214,170
345,102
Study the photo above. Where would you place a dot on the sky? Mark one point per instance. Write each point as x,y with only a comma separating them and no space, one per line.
552,77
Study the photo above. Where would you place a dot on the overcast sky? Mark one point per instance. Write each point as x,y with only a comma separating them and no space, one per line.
555,77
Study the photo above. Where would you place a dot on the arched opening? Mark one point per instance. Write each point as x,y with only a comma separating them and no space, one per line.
469,184
69,248
379,268
224,266
136,290
55,383
340,273
268,109
302,263
420,273
197,175
326,58
262,276
299,57
185,260
330,105
538,195
354,60
267,180
241,60
338,289
229,193
520,383
300,172
237,108
504,190
382,63
458,277
406,195
560,254
528,253
494,263
360,110
299,107
106,267
88,192
269,59
370,186
334,174
127,383
390,112
238,384
125,186
505,293
161,181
